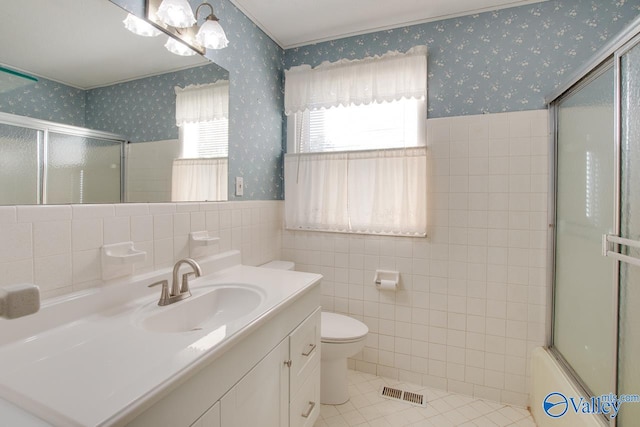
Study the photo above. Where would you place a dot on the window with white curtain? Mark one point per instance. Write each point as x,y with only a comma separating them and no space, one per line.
356,157
202,114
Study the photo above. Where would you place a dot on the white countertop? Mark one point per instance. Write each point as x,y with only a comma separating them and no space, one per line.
93,370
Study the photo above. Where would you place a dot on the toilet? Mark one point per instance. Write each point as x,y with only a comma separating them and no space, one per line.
341,337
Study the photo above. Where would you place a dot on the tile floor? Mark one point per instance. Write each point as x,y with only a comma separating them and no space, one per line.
367,409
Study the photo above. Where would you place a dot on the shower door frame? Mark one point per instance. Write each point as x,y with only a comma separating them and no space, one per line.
44,127
610,55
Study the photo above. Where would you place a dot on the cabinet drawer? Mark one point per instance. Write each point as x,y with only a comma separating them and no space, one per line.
305,404
304,349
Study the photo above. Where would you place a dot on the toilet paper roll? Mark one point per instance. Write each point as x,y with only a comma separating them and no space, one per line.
388,285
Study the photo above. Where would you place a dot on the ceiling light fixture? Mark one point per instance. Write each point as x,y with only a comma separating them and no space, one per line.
140,27
176,13
176,18
177,47
211,35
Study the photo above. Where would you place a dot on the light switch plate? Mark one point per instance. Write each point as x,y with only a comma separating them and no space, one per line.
239,186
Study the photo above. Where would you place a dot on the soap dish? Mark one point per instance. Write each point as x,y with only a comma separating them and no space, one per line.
118,259
200,242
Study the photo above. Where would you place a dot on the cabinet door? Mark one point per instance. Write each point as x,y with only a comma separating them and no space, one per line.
261,398
211,418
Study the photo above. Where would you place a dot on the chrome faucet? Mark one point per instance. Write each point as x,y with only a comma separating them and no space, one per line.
178,291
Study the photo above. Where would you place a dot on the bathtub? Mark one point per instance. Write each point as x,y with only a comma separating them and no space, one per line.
547,377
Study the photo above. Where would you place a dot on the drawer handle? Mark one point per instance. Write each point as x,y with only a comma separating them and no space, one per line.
309,410
310,350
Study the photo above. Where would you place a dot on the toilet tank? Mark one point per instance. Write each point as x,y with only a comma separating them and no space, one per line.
279,265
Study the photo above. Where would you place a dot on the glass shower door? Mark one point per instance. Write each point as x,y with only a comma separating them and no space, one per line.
629,327
19,166
584,300
82,170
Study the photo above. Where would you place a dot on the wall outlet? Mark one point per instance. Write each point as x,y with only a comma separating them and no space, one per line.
239,186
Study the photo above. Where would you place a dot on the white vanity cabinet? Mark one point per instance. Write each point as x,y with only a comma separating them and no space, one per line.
284,388
269,378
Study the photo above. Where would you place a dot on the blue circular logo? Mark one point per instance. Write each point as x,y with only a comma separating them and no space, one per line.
555,404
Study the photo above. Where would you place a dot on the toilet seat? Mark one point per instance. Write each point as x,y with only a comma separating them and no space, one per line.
339,329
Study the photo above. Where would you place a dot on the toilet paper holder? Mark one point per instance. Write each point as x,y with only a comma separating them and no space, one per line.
386,279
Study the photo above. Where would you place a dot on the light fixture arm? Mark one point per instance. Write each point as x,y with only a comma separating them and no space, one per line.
211,16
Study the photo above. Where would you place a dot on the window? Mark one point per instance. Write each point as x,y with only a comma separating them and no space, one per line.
207,139
394,124
202,115
356,157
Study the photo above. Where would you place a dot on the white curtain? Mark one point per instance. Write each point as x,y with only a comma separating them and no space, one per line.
202,103
389,77
373,192
199,179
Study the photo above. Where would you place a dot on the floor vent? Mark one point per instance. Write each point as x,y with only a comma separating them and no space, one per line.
403,396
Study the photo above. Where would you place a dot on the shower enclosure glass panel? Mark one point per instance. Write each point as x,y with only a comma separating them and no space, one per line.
584,301
629,331
82,170
18,165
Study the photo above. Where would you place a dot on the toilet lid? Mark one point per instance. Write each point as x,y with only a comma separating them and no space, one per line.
339,328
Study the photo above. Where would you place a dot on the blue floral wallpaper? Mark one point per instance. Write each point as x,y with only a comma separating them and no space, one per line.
145,109
46,100
507,60
255,64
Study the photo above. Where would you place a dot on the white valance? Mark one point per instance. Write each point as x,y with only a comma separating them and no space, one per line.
389,77
202,103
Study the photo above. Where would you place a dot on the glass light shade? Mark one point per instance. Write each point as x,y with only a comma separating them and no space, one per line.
176,13
140,27
174,46
211,35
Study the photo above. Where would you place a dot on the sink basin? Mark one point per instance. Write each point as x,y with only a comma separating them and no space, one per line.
208,307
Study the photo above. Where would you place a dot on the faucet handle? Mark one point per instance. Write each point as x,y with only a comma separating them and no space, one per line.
184,288
164,294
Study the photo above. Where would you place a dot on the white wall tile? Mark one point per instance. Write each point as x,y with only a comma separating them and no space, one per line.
86,265
116,229
58,247
52,272
469,288
44,213
16,271
16,242
162,226
92,211
86,234
8,214
141,228
51,238
131,209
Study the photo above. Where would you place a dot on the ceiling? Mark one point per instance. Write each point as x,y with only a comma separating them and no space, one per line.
55,40
293,23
